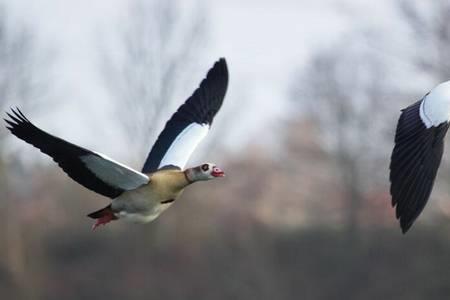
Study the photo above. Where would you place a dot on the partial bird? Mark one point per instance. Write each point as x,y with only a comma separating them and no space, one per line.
419,145
140,196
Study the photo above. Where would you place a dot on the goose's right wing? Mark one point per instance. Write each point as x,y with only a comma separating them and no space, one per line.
190,123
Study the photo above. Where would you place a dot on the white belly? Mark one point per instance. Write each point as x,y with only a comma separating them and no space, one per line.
138,206
139,217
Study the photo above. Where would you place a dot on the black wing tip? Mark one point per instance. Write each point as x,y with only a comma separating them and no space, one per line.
15,117
405,226
221,61
219,75
406,221
221,67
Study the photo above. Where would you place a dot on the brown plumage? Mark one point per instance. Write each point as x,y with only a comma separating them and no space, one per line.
140,196
147,202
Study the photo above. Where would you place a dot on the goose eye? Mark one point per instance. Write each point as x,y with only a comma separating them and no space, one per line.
205,167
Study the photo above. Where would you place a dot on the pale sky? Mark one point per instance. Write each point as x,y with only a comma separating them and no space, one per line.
264,43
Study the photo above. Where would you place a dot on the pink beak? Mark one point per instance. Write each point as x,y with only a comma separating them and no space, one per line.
217,172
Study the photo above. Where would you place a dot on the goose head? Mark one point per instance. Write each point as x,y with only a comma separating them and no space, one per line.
204,172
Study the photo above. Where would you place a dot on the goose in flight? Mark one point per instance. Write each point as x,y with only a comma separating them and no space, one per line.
419,144
140,196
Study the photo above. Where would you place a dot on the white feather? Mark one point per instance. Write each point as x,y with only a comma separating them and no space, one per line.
185,143
113,172
435,107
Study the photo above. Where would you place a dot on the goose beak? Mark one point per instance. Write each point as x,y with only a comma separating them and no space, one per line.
217,172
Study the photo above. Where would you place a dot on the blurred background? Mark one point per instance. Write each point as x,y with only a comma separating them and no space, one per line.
305,137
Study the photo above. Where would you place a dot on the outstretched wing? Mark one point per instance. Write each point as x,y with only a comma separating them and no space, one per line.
414,163
93,170
190,123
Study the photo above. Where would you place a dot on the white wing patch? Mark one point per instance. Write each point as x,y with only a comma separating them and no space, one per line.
114,173
182,147
435,107
423,115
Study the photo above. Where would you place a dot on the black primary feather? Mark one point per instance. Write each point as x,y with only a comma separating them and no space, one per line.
66,154
414,163
199,108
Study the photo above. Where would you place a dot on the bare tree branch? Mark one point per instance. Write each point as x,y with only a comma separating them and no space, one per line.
343,90
22,82
430,28
158,45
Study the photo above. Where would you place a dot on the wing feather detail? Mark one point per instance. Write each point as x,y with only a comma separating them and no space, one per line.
93,170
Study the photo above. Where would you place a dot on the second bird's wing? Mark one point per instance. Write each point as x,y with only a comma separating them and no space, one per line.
414,163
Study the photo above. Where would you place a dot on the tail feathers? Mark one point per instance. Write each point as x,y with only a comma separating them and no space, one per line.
104,212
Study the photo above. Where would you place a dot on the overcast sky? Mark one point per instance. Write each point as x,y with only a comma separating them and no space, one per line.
263,41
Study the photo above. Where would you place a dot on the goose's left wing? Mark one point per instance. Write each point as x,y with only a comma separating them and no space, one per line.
93,170
190,124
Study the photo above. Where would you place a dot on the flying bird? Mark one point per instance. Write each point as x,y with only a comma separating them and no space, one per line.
419,144
140,196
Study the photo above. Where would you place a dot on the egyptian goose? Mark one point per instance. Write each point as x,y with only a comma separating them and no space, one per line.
419,144
140,196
